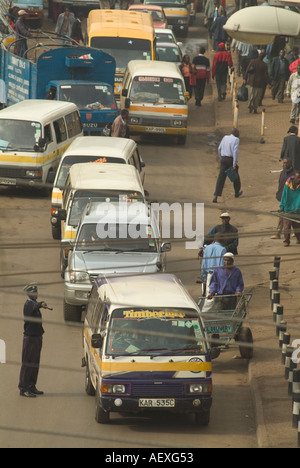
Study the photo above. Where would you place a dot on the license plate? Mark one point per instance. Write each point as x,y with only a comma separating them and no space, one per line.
155,403
155,130
4,181
220,329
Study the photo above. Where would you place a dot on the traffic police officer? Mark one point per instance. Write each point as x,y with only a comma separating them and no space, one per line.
32,343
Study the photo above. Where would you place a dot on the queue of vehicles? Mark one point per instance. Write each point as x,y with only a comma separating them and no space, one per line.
145,344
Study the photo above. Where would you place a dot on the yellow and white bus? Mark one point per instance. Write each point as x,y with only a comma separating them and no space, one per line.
126,35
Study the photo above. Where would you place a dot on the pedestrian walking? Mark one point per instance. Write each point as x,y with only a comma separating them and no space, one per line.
291,147
290,205
64,24
119,127
292,55
257,78
201,75
221,63
213,9
287,172
293,91
187,72
220,35
229,234
228,152
226,281
22,34
279,74
32,343
76,33
246,52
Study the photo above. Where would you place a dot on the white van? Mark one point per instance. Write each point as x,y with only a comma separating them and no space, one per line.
155,95
33,136
91,149
145,348
95,183
111,238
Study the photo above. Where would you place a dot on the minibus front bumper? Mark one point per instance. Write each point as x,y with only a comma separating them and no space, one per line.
191,404
157,130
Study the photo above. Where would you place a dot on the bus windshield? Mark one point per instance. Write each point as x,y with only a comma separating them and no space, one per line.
115,237
19,135
158,90
123,49
88,97
83,197
151,331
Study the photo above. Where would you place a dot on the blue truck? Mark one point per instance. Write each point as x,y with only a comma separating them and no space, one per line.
81,75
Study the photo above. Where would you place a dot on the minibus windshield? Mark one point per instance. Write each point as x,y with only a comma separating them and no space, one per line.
69,161
155,331
123,49
157,90
88,96
83,197
115,237
19,135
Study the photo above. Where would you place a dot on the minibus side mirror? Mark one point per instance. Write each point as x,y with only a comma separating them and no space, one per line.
127,103
63,214
165,247
124,92
97,341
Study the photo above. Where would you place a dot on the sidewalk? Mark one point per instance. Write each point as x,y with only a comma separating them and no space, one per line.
272,404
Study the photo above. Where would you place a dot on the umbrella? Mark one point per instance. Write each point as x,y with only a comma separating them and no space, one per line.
261,24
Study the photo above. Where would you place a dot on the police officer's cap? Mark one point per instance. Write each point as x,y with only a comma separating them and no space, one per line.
31,289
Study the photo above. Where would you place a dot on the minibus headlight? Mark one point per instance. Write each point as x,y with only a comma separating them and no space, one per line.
79,277
35,174
115,389
177,123
200,388
134,120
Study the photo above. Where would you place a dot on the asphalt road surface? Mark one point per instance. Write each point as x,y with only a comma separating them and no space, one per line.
64,416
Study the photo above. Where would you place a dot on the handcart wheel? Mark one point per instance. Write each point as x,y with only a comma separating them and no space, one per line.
245,336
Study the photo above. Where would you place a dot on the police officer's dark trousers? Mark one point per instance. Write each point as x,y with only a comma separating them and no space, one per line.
31,354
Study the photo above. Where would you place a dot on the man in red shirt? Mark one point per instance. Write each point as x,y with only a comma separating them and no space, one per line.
221,63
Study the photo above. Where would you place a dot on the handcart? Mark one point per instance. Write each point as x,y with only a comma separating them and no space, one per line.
222,324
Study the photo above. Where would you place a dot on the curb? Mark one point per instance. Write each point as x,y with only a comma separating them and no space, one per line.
258,409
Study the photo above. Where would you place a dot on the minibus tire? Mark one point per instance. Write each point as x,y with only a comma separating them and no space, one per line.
203,418
56,233
89,388
101,416
72,313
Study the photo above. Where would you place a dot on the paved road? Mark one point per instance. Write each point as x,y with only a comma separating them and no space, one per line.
64,416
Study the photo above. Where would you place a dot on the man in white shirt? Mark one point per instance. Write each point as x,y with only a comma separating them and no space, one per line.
293,91
228,152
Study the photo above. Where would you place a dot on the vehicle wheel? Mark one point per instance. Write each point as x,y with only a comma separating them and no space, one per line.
101,416
56,232
181,139
203,418
72,313
89,388
245,336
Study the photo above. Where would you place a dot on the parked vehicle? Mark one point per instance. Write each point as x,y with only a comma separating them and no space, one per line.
91,149
112,237
168,52
155,95
33,136
177,13
72,74
157,12
145,348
